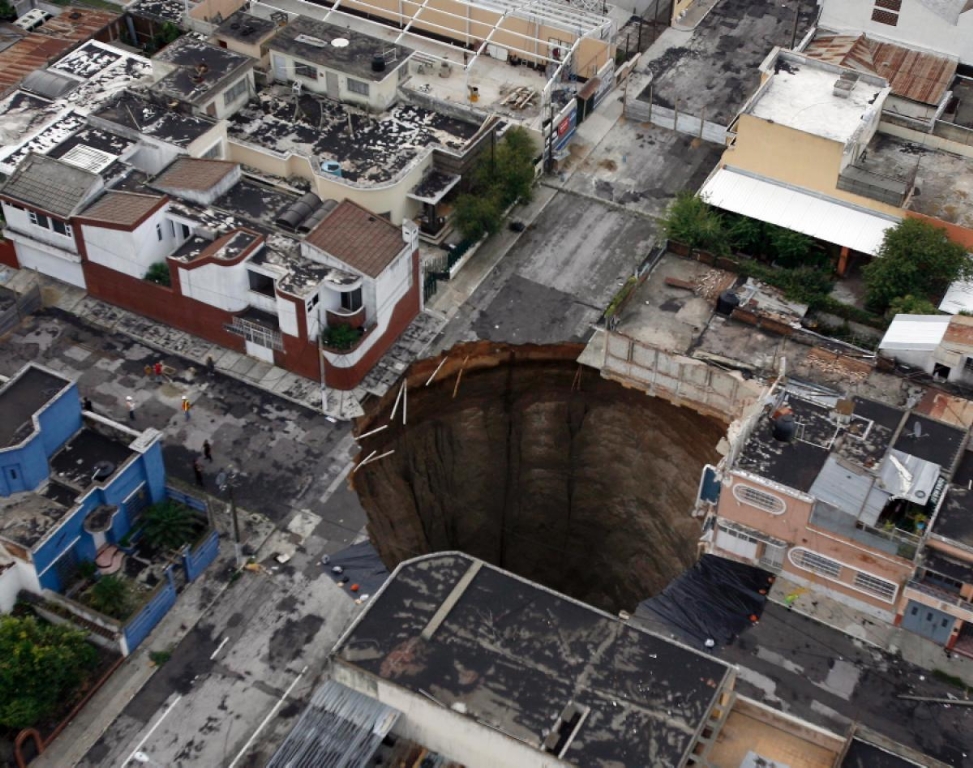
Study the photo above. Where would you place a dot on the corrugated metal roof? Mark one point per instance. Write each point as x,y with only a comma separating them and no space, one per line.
842,486
915,333
914,75
796,209
194,173
909,477
51,185
958,298
340,728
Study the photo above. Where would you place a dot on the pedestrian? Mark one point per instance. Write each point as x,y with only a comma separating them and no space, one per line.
207,450
186,405
148,371
198,471
210,365
131,407
87,405
157,368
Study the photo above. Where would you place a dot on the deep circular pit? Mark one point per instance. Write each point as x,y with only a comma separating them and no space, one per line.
538,466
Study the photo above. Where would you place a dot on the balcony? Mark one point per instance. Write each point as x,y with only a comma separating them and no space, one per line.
942,596
890,541
353,317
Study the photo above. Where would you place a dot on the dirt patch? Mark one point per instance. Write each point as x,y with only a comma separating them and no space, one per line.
540,466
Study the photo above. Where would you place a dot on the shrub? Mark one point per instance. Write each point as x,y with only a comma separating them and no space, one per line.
42,666
340,336
169,525
747,235
112,596
792,249
158,273
691,221
911,305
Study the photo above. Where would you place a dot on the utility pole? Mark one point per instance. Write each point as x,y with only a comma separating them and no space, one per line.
797,18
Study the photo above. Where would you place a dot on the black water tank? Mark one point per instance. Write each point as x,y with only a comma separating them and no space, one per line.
784,427
378,63
727,302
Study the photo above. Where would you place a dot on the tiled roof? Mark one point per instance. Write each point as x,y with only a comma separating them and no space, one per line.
127,208
194,173
49,42
365,242
922,77
50,184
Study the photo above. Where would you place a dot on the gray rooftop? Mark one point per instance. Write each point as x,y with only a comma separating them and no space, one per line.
201,68
314,41
516,654
340,727
135,112
21,398
245,27
51,185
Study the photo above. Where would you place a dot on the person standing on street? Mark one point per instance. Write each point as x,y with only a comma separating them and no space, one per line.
131,407
87,405
198,471
157,368
186,405
207,450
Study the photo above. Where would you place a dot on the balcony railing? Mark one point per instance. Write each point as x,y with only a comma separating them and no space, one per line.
892,542
940,594
353,317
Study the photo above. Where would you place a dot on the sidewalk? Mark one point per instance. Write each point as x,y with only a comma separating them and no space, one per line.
270,378
858,625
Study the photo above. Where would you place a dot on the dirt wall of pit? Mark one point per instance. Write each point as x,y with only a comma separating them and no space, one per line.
540,466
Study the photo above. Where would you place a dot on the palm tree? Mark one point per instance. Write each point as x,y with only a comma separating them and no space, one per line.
169,525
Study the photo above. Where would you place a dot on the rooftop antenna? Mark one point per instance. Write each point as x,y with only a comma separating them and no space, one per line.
917,431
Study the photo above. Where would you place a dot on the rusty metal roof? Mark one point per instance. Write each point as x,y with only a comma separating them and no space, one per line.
49,42
913,75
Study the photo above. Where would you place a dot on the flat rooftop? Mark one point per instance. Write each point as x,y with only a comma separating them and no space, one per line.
800,95
379,148
22,397
338,48
26,518
245,28
943,181
201,68
74,465
494,651
136,111
955,518
716,70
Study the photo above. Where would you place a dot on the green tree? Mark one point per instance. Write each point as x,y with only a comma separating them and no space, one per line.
506,171
911,305
169,525
477,215
42,666
916,258
748,235
689,220
159,273
112,596
790,248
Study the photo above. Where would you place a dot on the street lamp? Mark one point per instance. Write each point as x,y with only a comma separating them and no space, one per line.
226,481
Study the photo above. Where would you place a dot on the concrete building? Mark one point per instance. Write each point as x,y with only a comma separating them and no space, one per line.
940,345
71,483
941,26
247,34
832,151
455,660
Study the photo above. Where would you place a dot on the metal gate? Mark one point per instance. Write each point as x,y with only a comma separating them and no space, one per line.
928,622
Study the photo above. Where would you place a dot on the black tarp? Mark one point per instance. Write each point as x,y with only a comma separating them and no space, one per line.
360,565
716,600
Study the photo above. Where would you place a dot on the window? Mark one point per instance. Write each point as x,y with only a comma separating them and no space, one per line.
876,586
313,302
213,153
885,17
234,92
357,86
889,5
172,228
812,561
260,283
305,70
185,232
746,494
772,557
158,232
403,72
61,228
39,219
351,301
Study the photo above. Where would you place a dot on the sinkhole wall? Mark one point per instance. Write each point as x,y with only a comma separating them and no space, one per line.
538,465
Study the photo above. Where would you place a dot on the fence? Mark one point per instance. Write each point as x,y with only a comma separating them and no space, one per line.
647,112
158,605
184,498
23,306
195,560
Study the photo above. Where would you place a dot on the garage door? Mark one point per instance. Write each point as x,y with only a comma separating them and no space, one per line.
928,622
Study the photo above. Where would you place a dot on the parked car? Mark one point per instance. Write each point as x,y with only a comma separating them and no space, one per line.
517,226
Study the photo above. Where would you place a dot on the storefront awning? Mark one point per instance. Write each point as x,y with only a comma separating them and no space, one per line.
815,215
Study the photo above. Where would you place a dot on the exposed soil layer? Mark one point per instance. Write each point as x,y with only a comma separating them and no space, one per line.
538,466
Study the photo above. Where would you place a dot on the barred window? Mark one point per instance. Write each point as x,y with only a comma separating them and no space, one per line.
357,86
876,586
305,70
234,92
812,561
746,494
885,17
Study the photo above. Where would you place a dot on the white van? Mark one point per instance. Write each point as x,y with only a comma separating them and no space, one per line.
32,19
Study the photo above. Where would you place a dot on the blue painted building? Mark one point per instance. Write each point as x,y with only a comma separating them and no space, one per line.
71,483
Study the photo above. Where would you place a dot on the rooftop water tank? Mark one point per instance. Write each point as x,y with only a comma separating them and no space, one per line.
727,302
331,167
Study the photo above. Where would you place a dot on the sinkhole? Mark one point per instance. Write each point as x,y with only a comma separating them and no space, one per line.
521,457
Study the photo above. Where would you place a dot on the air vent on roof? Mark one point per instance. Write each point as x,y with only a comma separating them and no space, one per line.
103,470
844,85
88,158
565,728
317,42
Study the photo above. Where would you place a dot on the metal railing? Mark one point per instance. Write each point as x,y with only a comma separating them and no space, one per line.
942,595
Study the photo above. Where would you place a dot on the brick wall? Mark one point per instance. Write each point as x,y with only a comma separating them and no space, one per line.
8,254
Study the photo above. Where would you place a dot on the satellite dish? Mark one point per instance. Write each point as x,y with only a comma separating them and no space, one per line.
917,430
339,42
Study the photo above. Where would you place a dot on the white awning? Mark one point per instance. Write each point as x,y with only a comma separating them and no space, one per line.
958,298
799,210
914,333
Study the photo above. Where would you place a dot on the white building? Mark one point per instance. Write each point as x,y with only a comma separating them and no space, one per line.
940,345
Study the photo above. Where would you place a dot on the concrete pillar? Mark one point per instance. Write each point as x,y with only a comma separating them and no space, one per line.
843,261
